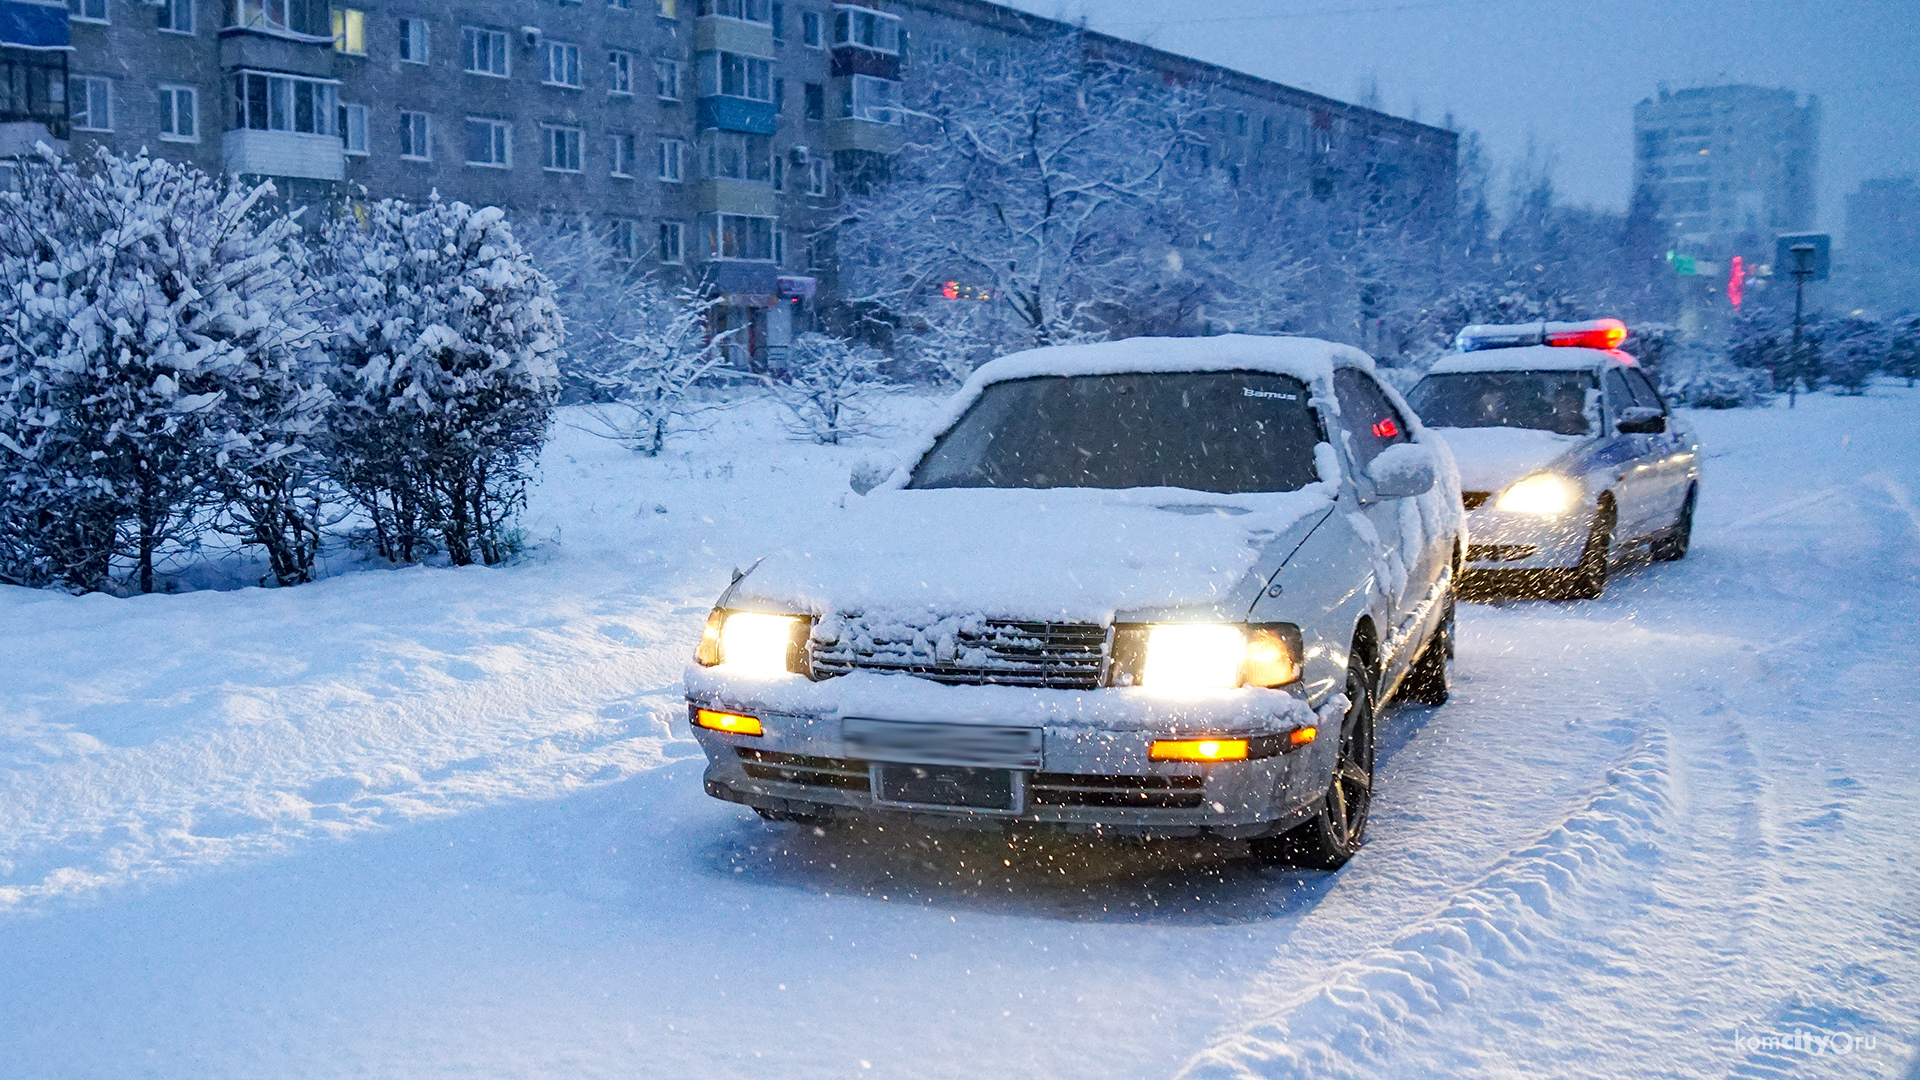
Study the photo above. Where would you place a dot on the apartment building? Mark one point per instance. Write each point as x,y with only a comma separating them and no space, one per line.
1730,166
709,139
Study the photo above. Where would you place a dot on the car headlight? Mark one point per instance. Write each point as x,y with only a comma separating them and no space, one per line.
1181,657
753,643
1542,494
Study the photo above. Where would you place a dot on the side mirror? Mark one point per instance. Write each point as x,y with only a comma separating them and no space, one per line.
870,472
1642,420
1403,471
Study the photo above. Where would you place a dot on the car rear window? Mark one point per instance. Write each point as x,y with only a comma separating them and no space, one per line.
1221,431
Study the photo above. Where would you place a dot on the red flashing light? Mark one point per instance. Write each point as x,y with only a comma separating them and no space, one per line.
1599,334
950,290
1736,281
1386,429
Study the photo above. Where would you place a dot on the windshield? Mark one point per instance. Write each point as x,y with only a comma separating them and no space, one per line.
1224,431
1542,400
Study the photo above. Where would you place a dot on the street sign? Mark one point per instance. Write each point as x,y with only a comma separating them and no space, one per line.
1786,262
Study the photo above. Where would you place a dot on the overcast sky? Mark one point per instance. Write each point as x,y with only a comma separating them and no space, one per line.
1565,75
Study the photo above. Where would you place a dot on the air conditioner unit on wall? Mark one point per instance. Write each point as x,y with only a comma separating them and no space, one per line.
530,35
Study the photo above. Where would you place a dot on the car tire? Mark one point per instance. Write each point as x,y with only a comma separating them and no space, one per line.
1589,579
1430,680
1339,825
1673,546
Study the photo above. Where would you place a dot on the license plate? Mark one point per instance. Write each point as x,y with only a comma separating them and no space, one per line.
958,787
942,744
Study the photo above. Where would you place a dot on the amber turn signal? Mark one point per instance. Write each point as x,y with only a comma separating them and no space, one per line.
1199,750
1303,736
731,723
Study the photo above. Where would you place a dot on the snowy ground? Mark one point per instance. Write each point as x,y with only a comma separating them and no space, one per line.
437,822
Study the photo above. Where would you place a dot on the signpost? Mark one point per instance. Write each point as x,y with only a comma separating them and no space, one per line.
1807,256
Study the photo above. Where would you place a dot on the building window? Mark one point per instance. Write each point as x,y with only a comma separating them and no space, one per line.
737,236
866,28
619,72
672,233
413,41
350,31
779,15
485,51
489,142
353,128
873,100
779,173
270,14
269,102
563,64
780,246
176,16
744,10
816,101
179,114
735,75
817,176
779,96
620,5
622,154
414,144
820,252
669,9
673,160
563,149
623,236
733,155
810,29
88,11
666,79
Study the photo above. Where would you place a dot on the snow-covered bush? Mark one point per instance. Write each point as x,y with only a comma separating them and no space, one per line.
827,386
648,374
444,377
151,370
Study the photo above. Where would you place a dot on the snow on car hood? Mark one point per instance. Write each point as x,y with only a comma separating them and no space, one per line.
1490,458
1067,554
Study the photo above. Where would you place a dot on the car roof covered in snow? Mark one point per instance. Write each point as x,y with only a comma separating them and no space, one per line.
1529,358
1308,359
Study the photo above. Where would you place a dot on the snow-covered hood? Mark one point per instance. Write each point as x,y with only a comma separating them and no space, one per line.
1067,554
1490,458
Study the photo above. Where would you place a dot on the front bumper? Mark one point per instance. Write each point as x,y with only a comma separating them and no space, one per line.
1506,542
1088,779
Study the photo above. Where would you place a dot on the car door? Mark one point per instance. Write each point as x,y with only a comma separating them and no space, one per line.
1663,467
1621,455
1405,554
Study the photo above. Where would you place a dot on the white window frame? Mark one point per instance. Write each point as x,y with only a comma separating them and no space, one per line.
77,11
268,14
738,10
673,243
620,72
349,23
673,161
560,64
738,75
851,23
353,129
623,236
812,34
171,97
281,100
416,41
716,230
562,148
667,77
623,147
470,38
620,5
175,12
817,177
876,101
416,128
500,140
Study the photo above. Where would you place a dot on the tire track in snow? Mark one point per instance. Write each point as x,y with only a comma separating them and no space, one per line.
1351,1024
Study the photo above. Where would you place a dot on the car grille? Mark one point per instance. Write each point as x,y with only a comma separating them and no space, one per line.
843,773
972,651
1474,500
1499,552
1149,792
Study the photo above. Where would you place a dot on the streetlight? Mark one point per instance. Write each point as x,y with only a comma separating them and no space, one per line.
1803,256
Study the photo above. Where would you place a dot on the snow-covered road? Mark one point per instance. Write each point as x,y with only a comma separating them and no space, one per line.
434,823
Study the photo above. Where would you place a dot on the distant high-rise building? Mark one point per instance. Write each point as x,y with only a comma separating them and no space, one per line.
1728,166
1881,255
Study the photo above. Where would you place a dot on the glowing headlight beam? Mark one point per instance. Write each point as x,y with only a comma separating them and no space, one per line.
756,644
1194,656
1542,494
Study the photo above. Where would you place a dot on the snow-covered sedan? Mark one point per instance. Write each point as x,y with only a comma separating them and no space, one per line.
1568,455
1153,586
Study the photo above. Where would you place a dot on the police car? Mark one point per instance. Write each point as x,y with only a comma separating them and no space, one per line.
1568,456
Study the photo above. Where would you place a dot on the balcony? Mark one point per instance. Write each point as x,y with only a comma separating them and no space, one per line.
33,102
859,60
751,197
249,152
853,133
730,113
721,34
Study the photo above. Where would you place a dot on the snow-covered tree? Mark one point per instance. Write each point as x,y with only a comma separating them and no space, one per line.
828,386
1049,177
649,373
445,348
603,297
151,337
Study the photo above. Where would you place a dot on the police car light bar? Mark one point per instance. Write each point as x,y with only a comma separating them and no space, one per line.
1595,334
